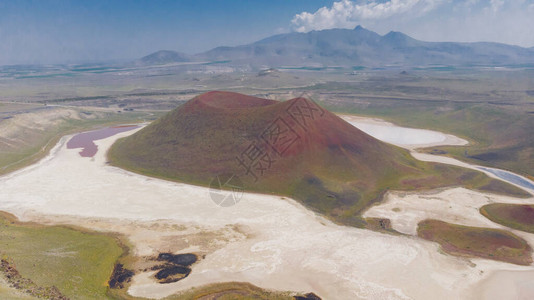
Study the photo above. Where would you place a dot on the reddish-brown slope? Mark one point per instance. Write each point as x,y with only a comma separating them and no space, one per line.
294,148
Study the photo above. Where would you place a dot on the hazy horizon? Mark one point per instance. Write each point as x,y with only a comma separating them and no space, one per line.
63,32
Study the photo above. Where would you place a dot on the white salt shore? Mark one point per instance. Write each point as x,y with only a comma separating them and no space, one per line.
269,241
409,138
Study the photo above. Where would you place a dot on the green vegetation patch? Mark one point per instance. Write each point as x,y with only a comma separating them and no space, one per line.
78,264
481,242
230,291
516,216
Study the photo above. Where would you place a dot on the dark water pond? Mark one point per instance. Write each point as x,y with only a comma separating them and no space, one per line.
85,140
186,259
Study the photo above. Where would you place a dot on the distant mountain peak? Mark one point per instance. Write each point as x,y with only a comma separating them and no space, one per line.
164,52
399,39
396,34
165,57
352,47
360,29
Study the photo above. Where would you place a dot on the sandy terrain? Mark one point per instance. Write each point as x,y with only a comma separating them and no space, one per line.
266,240
270,241
28,122
456,205
459,206
507,285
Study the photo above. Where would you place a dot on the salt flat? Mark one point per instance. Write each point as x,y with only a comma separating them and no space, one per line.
405,137
270,241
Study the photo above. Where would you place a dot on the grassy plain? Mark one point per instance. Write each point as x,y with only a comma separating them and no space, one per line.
78,263
516,216
481,242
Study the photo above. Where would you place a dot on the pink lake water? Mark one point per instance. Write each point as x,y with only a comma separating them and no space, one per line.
85,140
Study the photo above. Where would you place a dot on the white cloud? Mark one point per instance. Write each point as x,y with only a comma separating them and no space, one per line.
496,5
502,21
347,14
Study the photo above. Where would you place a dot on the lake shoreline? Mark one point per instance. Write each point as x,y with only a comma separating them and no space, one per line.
261,240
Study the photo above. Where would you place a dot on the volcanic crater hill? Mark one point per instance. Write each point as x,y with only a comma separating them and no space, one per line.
294,148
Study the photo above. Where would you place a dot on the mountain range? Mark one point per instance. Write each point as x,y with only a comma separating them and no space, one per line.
356,47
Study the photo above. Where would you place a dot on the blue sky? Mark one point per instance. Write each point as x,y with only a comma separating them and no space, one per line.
44,31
